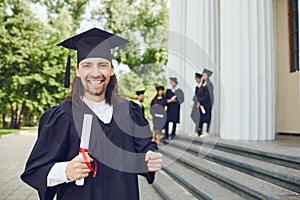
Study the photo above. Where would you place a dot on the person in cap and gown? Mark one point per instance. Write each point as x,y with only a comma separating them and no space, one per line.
205,100
140,100
157,110
175,97
195,114
120,137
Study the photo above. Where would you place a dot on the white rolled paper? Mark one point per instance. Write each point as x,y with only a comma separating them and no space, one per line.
85,138
202,109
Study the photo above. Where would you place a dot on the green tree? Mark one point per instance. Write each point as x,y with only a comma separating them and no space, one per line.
19,47
76,9
131,82
32,68
145,24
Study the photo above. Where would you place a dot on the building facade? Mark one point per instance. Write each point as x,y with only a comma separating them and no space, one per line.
252,47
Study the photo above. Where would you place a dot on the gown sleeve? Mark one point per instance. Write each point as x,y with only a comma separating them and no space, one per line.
204,97
142,145
168,95
211,92
180,96
51,147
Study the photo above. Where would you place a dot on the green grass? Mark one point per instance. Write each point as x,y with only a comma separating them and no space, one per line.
8,131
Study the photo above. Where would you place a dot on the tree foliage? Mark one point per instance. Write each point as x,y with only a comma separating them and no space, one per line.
32,66
75,8
32,69
145,24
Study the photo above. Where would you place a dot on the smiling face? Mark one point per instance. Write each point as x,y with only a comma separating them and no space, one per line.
95,74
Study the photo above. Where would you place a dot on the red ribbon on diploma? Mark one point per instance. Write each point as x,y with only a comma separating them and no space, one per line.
88,164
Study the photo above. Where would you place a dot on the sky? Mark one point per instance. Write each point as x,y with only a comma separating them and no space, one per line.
41,13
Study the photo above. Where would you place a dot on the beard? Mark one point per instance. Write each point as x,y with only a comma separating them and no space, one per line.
93,88
97,92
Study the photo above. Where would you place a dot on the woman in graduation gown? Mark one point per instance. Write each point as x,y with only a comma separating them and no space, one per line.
157,110
120,137
205,102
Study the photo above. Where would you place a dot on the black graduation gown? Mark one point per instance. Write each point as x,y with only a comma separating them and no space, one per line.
173,108
158,107
142,108
205,97
58,141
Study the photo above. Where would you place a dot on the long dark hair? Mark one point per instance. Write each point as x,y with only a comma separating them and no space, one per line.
155,100
207,82
111,93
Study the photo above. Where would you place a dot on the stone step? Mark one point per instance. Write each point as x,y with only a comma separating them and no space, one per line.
147,191
277,174
200,186
270,154
243,184
169,189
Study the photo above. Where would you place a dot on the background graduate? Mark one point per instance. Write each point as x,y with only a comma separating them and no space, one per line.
175,97
195,114
157,110
140,99
205,102
120,137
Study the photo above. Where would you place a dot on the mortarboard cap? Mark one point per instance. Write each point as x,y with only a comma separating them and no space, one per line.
94,43
174,79
140,92
208,72
198,75
160,88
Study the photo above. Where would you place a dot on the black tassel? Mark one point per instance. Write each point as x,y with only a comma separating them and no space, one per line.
67,74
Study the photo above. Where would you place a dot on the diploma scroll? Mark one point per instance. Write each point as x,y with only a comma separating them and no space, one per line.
159,115
85,139
173,97
202,109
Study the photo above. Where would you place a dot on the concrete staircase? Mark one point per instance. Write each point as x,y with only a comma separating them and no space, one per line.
206,169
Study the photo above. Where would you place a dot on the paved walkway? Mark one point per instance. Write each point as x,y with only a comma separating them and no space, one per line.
14,151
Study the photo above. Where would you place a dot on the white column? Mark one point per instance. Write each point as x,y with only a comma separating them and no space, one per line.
176,54
247,69
193,46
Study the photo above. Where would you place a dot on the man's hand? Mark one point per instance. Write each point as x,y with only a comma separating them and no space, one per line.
154,160
77,169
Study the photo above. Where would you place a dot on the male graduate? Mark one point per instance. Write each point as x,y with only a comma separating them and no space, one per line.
195,114
175,97
140,99
120,137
